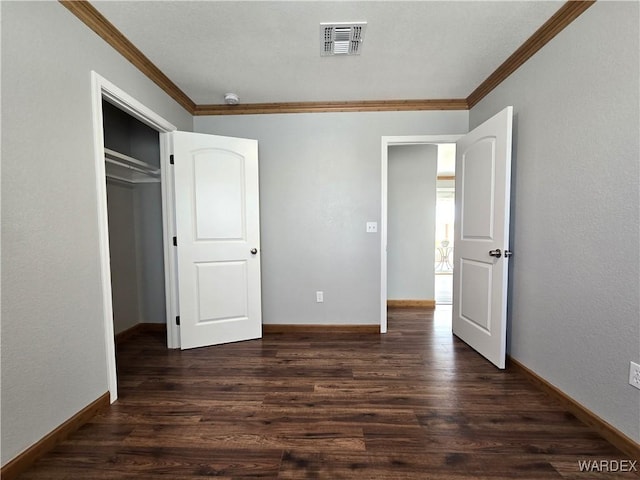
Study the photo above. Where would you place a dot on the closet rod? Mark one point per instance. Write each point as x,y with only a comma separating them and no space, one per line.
126,161
120,180
151,173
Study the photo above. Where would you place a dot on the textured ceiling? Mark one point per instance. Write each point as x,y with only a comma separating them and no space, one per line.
269,51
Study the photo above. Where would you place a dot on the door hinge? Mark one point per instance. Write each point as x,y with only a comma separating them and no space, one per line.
171,159
178,320
175,241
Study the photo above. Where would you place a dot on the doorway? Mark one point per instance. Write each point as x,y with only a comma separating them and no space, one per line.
103,90
387,143
482,200
445,216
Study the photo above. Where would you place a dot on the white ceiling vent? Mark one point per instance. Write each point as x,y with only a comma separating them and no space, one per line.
342,38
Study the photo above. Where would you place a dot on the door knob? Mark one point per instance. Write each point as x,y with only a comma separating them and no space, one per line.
495,253
254,251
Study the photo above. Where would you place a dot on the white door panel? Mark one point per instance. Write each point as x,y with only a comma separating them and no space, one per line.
226,298
477,174
475,282
219,195
217,225
483,180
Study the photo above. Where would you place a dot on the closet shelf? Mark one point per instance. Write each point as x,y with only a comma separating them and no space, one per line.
128,169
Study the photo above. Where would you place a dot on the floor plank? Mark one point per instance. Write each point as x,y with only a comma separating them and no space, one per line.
415,403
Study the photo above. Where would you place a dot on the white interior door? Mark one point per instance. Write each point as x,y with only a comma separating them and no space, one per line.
218,238
483,181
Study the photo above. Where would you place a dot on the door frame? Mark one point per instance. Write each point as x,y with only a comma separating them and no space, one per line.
391,141
101,89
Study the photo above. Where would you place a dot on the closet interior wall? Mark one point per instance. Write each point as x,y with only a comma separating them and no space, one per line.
135,224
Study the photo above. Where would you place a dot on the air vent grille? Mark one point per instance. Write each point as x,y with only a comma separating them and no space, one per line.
344,38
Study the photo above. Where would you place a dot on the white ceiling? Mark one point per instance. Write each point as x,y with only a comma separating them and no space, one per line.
269,51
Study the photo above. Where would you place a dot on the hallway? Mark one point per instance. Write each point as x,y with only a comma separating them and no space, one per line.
444,288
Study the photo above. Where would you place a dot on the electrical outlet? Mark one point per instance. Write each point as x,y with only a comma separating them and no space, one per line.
372,227
319,296
634,375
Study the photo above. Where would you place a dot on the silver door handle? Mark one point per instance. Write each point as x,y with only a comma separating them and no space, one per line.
254,251
495,253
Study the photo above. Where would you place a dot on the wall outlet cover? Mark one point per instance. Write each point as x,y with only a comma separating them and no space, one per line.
372,227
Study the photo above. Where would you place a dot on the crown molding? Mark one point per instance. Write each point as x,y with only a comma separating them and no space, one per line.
324,107
93,19
558,22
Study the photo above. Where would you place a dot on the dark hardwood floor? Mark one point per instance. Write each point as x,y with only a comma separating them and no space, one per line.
415,403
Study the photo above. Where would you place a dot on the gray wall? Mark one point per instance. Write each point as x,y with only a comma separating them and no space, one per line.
320,182
128,135
124,261
575,304
411,224
150,252
53,348
137,255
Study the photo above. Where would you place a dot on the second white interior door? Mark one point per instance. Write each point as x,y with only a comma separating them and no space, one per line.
483,186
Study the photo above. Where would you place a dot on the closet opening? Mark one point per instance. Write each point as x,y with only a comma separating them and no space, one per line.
135,223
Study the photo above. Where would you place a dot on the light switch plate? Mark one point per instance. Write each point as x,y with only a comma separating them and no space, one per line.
372,227
634,374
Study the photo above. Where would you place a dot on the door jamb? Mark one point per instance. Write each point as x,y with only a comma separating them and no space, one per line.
390,141
103,89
